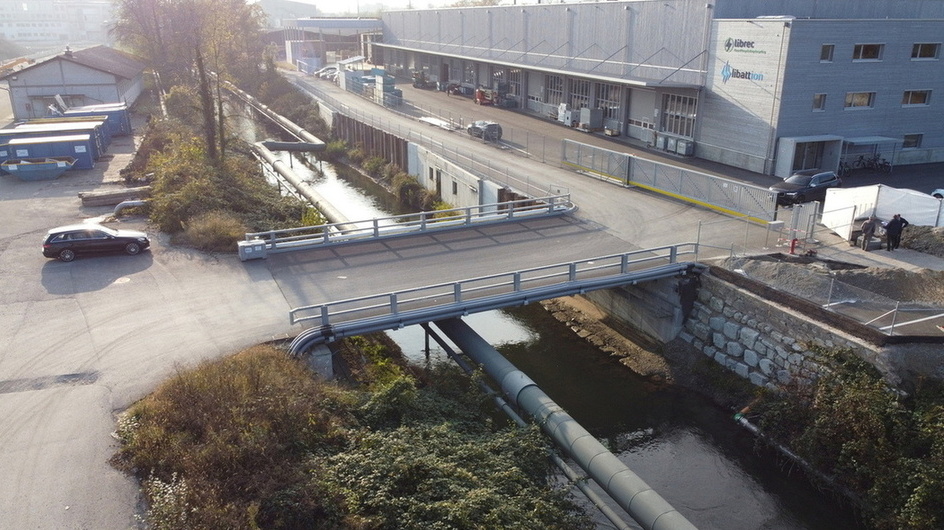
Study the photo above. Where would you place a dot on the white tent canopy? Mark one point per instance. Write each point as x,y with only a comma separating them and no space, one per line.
845,208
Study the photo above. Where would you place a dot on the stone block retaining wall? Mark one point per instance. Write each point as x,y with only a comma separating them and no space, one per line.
760,340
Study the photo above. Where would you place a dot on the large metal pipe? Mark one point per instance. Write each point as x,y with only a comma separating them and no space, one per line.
640,501
503,405
331,213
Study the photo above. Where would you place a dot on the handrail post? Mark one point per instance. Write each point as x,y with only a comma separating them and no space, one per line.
572,271
624,263
422,221
325,320
673,254
376,227
393,303
457,292
468,215
516,281
891,330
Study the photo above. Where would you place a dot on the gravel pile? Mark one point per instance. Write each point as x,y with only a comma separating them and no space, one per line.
812,280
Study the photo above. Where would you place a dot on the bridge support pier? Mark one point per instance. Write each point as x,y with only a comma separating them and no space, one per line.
656,308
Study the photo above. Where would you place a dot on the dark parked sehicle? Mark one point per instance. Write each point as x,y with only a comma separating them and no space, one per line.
486,130
66,242
805,186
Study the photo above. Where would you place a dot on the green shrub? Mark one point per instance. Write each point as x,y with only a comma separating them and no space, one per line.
335,150
888,451
374,166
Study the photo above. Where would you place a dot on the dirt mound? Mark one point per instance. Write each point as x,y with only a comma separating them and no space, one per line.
811,279
926,286
927,239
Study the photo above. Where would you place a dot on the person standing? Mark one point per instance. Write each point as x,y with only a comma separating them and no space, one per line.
868,231
893,232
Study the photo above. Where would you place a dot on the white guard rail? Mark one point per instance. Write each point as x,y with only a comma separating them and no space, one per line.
397,225
494,290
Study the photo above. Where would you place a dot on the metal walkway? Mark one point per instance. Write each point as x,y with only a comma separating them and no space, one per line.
356,316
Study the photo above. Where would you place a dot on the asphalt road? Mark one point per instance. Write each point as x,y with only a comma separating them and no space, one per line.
81,341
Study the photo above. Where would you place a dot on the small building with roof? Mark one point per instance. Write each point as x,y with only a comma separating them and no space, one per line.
77,78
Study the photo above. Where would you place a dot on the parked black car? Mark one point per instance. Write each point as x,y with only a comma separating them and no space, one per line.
486,130
66,242
805,186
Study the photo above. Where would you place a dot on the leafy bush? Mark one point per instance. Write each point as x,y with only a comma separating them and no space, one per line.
335,150
886,449
374,166
412,194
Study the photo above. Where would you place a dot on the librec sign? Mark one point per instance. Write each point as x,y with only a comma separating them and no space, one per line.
731,44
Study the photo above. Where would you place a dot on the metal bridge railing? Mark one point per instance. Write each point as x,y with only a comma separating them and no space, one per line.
592,273
398,225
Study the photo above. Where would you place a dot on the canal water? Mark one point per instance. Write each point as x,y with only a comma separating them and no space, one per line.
690,451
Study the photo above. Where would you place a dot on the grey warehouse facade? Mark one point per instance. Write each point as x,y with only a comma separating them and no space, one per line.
769,86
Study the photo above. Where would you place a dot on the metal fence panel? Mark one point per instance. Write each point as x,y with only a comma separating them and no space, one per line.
709,190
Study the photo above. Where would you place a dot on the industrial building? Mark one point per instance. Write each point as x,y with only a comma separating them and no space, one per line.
769,86
92,76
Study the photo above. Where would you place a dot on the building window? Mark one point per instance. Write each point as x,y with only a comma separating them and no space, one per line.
819,102
926,51
916,98
860,100
608,99
553,89
455,188
912,141
868,52
678,114
826,53
580,94
514,81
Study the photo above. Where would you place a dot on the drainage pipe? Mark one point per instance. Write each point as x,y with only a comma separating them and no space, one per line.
639,500
331,213
127,204
288,125
565,468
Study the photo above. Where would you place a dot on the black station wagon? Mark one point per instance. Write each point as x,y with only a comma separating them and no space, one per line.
66,242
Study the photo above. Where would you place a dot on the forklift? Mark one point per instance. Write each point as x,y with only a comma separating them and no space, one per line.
486,96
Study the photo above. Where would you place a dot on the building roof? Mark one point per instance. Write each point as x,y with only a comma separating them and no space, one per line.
102,58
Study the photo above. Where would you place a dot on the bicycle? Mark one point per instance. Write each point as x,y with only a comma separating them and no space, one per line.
883,165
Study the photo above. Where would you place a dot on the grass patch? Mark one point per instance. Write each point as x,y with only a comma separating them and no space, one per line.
213,232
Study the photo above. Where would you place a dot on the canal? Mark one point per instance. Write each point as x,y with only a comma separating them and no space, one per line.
689,450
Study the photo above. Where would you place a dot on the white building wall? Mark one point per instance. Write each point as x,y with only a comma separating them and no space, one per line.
739,108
